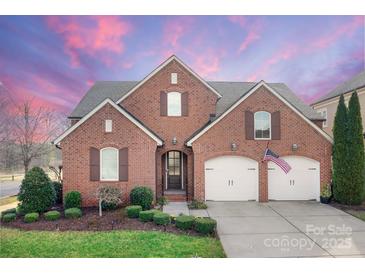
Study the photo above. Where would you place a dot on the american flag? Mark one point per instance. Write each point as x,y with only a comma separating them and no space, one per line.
271,156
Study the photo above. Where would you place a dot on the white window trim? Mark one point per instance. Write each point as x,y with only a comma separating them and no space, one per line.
106,126
101,165
254,125
321,111
175,92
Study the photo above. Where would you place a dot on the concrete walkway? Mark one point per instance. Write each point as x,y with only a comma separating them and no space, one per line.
287,229
178,208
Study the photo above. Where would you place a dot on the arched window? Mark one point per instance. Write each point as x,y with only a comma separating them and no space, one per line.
109,164
262,125
174,104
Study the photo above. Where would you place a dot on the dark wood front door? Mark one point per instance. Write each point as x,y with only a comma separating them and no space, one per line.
174,170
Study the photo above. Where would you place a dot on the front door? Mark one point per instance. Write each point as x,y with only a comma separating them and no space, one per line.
174,170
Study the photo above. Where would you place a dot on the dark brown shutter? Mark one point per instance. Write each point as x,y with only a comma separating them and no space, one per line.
163,103
123,164
94,164
249,125
184,104
275,126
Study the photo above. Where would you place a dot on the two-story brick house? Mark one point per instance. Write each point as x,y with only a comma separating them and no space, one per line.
187,138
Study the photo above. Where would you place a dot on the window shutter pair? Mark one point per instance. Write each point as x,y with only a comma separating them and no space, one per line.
250,125
95,164
184,104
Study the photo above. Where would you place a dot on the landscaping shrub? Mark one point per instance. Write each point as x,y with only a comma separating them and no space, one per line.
36,193
73,213
52,215
195,204
205,225
108,206
58,189
142,196
109,198
31,217
8,217
133,211
184,222
19,210
72,200
10,210
161,218
162,201
147,215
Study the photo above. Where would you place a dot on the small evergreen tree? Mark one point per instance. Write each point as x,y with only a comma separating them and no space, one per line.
339,153
356,157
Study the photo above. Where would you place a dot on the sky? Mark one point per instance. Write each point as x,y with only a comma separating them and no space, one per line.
54,60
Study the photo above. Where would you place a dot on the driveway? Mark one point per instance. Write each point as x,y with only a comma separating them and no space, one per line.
9,188
287,229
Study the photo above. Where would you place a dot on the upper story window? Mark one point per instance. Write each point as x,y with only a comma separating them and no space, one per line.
323,112
174,78
174,104
262,125
109,164
108,125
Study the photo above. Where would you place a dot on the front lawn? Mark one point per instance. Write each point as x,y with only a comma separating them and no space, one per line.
357,213
112,244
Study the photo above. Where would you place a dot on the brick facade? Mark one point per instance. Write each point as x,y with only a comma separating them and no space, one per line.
294,130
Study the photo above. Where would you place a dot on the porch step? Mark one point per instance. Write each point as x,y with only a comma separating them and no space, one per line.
175,197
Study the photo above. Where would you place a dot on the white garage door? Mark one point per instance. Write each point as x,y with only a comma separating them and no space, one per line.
301,183
231,178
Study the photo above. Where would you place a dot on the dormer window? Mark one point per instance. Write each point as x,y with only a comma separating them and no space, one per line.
174,78
262,125
174,104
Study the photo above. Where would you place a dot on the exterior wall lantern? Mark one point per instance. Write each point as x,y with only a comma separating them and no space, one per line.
233,146
294,147
174,141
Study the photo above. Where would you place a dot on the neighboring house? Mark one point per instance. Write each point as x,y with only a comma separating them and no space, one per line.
187,138
327,105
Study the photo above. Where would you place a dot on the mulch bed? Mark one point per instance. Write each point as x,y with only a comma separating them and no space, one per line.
349,207
91,221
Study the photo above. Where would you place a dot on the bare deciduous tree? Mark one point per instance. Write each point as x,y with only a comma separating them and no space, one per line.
108,194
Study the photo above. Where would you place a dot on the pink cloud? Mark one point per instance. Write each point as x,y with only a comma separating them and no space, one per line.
175,29
95,35
237,19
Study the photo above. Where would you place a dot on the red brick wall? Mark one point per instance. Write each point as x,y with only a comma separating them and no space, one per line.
144,103
75,151
216,141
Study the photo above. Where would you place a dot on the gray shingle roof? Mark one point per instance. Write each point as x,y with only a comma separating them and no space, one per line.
358,81
230,91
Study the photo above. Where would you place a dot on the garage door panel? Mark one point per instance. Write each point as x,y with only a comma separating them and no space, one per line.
231,178
301,183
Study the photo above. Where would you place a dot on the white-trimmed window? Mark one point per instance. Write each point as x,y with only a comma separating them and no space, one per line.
174,104
174,78
323,113
262,125
109,164
108,125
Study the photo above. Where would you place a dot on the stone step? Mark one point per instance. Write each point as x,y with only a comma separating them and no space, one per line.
176,197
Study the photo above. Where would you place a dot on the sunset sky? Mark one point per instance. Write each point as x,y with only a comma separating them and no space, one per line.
55,59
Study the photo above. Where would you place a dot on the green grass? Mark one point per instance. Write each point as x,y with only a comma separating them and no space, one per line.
8,200
113,244
357,214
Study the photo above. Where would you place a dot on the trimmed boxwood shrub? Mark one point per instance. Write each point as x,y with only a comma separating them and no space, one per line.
19,211
73,199
8,217
184,222
31,217
142,196
73,213
133,211
58,189
36,193
205,225
108,206
52,215
10,210
161,218
147,215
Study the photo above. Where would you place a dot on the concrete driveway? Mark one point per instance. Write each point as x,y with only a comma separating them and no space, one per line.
287,229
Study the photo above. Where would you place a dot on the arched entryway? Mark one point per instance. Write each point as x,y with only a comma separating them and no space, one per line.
174,171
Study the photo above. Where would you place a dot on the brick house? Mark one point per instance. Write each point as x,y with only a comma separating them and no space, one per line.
187,138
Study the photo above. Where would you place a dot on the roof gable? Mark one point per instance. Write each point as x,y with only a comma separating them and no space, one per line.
246,95
156,70
151,134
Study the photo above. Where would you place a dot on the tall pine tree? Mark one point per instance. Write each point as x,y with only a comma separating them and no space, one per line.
339,153
356,157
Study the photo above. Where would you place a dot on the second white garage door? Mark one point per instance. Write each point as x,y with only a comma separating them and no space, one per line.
231,178
301,183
